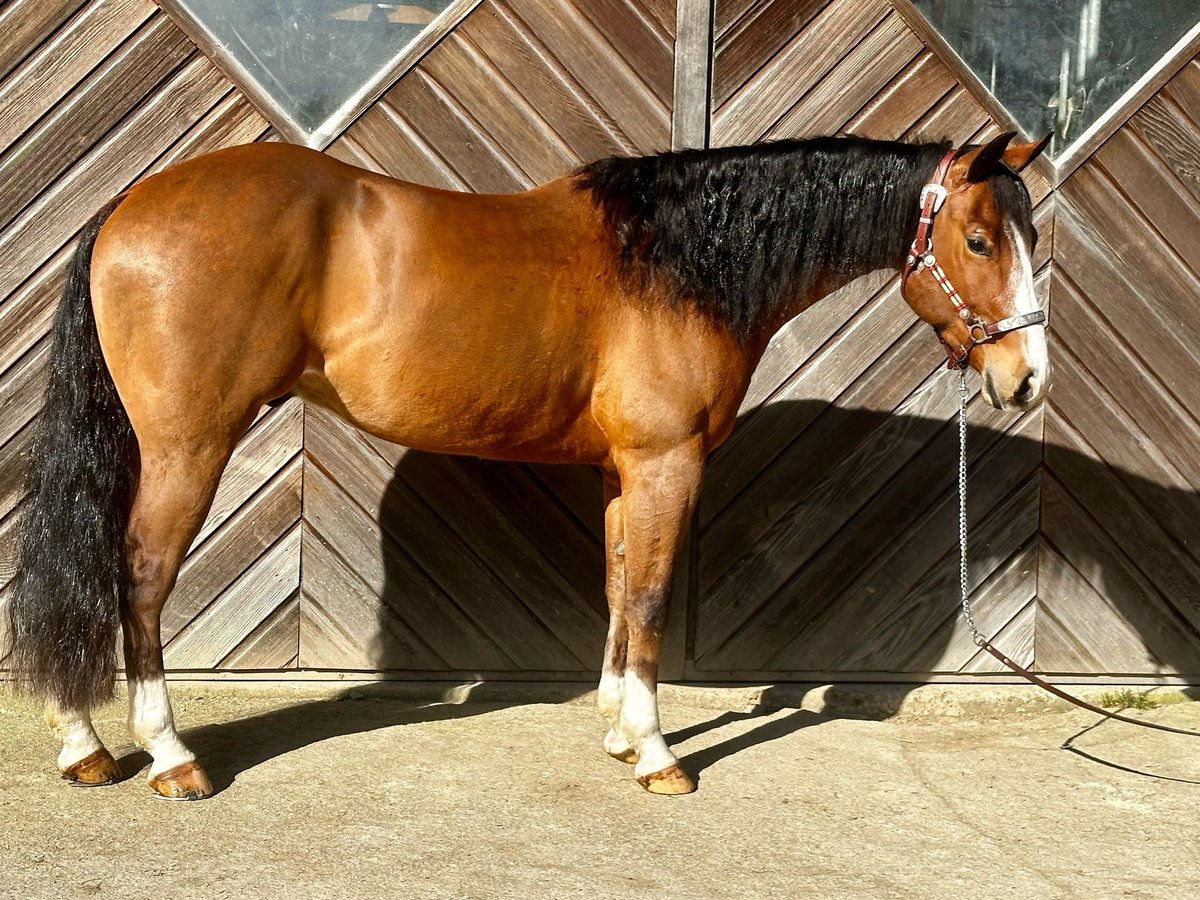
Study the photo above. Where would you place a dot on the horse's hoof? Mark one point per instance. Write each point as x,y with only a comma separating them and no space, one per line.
626,756
671,780
93,770
185,781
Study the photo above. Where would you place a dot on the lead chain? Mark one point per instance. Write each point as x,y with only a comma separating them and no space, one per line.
964,571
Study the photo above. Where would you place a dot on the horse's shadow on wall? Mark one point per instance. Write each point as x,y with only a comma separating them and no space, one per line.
831,552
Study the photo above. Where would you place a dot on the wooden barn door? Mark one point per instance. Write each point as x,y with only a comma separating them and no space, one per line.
827,524
426,564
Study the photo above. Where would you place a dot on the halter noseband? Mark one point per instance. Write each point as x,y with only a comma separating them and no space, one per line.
920,256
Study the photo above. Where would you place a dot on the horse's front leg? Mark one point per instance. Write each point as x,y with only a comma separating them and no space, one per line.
658,493
612,675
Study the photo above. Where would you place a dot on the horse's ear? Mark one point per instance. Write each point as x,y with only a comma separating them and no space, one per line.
982,162
1018,156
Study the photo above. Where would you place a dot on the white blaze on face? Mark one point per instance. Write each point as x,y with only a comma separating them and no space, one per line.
153,725
1024,300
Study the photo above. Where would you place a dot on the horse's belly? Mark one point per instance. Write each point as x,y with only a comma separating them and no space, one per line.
494,416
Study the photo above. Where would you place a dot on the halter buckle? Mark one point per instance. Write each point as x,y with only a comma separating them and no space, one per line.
939,196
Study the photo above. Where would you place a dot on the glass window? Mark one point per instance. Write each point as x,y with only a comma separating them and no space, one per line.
313,57
1058,65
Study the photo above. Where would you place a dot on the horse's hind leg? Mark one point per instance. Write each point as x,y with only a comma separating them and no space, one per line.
175,490
612,676
83,759
659,491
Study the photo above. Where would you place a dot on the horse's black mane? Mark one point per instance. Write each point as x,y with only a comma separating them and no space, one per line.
739,231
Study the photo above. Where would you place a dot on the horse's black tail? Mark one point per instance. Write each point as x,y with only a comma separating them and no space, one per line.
64,609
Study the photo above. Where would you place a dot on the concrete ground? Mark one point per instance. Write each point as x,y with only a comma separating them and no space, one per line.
394,797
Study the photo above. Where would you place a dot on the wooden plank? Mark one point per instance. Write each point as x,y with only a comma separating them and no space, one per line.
1089,549
1184,91
442,554
589,131
485,520
579,489
390,140
12,471
613,84
692,75
26,315
460,141
795,343
730,13
955,119
89,111
218,562
512,125
266,449
350,150
270,583
25,25
1145,295
862,408
63,61
660,14
876,618
111,166
851,84
637,40
793,72
1174,137
407,593
341,625
1078,629
1150,188
810,550
743,48
1154,531
22,389
911,94
1135,387
231,121
273,645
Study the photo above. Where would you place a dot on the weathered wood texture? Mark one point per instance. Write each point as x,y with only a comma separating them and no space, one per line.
828,539
95,95
429,563
1120,568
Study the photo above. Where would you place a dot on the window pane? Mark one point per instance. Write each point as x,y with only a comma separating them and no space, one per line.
312,56
1057,65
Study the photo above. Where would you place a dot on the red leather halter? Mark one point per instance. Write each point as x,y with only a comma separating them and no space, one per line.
920,256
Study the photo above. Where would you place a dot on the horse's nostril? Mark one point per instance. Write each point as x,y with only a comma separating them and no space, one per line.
1027,389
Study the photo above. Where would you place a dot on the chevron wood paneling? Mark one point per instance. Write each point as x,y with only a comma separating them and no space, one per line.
1120,571
94,96
826,532
425,563
828,536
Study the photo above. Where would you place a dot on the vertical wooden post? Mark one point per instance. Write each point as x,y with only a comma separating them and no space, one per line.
689,128
693,73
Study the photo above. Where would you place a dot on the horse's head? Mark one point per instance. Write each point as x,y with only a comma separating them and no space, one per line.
979,287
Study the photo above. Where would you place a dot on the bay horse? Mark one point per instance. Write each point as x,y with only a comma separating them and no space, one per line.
613,317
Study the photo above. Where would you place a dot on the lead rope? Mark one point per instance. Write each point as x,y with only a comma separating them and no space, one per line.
964,580
964,566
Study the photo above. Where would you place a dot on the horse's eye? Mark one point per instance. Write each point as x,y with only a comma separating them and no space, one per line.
978,246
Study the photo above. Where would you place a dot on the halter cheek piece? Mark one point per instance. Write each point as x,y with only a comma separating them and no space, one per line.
920,256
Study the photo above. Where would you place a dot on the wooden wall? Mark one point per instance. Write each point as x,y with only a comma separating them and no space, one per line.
825,540
94,96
